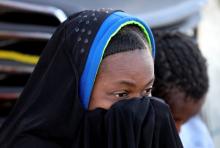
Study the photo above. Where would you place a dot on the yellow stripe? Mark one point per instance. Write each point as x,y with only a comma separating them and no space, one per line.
19,57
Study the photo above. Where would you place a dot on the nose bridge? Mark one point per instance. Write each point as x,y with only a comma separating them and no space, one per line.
137,94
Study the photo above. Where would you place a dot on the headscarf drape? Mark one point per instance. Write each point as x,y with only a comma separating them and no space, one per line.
52,109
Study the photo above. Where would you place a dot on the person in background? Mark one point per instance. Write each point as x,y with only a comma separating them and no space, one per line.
181,80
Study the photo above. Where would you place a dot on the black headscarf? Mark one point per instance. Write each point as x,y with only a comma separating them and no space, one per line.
52,111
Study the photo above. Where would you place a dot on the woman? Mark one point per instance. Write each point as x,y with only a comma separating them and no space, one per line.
181,75
90,89
182,81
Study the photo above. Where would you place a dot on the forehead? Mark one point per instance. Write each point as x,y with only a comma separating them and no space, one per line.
132,64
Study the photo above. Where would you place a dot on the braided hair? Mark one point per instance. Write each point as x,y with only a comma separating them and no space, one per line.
179,64
129,38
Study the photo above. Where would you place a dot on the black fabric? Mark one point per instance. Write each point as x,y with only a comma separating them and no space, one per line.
134,123
49,113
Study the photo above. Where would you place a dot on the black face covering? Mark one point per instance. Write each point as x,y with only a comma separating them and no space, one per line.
50,114
134,123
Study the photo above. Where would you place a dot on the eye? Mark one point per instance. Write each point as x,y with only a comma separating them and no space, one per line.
121,94
147,92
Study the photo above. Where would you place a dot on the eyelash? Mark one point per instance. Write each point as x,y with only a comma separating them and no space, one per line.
148,91
125,94
117,94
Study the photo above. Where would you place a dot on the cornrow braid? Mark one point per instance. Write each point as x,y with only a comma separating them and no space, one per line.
129,38
179,64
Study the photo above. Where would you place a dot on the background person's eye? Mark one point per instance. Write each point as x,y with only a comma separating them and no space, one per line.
147,92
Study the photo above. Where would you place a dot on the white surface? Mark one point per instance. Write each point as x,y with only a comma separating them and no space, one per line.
194,134
209,38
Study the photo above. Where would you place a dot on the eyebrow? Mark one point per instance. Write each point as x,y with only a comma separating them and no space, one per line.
150,82
132,83
127,82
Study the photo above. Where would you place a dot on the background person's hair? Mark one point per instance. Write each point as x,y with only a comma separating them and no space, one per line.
179,64
130,37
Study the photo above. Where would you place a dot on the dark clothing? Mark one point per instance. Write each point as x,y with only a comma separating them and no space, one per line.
50,114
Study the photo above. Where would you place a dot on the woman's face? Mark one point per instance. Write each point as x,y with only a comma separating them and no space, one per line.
182,107
123,76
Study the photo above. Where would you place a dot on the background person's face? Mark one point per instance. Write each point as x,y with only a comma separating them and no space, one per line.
182,107
122,76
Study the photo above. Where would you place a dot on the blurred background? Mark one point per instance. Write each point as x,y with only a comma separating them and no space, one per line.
209,29
27,25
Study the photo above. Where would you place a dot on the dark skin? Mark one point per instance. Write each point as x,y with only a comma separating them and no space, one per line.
130,74
182,107
121,76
